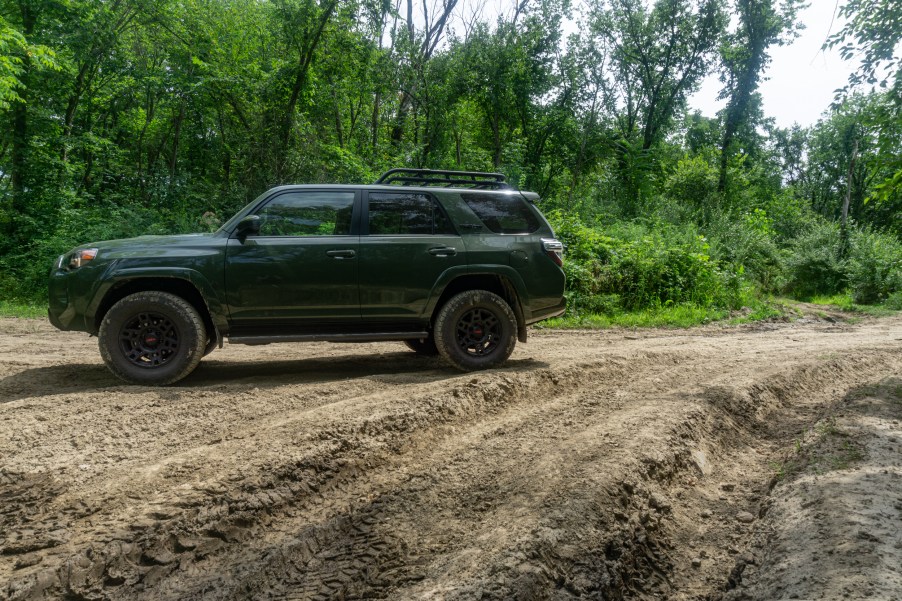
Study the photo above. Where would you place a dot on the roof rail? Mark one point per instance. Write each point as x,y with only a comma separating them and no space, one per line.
451,179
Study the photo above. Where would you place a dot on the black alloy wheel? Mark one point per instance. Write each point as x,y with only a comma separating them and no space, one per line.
479,332
149,340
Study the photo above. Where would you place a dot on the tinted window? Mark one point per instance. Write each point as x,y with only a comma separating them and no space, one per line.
502,213
308,214
393,214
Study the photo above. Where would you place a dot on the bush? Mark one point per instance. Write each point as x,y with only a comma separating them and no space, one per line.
747,243
894,301
694,183
636,267
812,263
874,267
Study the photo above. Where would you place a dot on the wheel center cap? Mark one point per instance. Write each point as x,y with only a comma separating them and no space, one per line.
477,331
151,339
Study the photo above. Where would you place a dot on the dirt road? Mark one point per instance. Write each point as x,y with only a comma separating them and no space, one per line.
594,465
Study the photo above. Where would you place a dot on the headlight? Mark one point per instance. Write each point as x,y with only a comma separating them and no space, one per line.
81,257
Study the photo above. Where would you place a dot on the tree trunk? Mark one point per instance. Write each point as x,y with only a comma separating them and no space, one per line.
173,160
20,119
843,228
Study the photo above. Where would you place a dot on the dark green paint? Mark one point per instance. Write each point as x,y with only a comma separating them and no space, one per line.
349,283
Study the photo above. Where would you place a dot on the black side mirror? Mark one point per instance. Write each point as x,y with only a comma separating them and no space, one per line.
249,225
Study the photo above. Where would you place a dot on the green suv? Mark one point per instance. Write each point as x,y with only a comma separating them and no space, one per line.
453,263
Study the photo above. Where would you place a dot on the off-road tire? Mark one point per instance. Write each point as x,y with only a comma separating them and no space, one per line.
152,338
422,346
475,330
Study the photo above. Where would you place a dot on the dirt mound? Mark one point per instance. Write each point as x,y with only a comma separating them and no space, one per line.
602,465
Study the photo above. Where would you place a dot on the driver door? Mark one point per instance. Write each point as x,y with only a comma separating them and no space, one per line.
301,269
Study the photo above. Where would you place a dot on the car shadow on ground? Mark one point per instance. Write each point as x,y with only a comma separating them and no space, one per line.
238,376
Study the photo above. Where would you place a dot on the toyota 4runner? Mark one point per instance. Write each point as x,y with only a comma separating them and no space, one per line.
453,263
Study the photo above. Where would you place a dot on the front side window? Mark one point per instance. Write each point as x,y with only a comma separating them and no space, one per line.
307,214
394,214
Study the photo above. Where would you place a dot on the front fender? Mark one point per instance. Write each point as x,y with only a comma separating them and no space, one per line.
119,276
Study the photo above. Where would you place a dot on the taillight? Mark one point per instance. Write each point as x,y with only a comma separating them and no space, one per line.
554,249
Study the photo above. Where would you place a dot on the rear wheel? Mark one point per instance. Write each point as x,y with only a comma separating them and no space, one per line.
476,330
152,338
422,346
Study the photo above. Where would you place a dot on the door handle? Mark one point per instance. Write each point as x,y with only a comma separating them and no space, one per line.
341,254
443,251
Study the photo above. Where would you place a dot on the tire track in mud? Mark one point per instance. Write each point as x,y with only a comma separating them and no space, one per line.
231,506
509,483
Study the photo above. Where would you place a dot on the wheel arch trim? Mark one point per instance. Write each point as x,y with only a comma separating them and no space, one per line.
510,282
123,282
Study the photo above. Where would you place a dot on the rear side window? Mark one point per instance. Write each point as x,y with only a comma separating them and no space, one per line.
393,214
502,213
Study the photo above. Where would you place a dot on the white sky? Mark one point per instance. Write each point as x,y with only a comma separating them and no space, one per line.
801,77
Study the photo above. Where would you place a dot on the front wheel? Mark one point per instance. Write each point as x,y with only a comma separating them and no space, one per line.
475,330
152,338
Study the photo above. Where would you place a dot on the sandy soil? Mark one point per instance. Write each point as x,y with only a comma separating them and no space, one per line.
699,464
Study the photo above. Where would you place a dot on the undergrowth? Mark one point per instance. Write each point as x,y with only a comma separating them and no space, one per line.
22,310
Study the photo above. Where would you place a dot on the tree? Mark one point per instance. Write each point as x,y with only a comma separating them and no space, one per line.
744,56
871,35
658,57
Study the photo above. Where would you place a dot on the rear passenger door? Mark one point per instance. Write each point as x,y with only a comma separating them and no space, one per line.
407,242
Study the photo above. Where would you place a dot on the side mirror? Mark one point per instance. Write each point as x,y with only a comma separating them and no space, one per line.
248,226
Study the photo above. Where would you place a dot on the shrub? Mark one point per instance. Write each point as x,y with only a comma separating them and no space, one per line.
812,263
636,267
694,183
748,242
874,267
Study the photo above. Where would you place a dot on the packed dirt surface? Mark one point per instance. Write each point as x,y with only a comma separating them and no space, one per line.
696,464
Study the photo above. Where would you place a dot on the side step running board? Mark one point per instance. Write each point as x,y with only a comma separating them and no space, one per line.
368,337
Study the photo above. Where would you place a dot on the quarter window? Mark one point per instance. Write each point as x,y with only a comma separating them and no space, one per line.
502,213
308,214
393,214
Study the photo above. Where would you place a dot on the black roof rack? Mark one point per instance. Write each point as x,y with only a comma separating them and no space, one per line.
452,179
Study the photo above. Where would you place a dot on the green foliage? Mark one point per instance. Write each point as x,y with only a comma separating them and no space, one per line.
693,183
748,243
874,266
15,54
894,301
813,265
635,267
